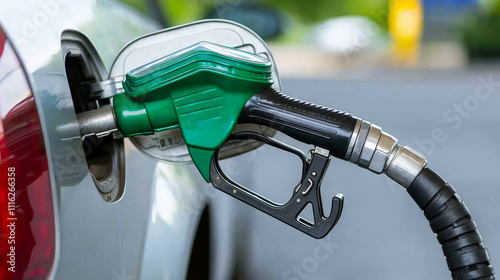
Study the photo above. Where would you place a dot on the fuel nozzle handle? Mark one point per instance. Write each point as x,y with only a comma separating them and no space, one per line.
342,134
305,121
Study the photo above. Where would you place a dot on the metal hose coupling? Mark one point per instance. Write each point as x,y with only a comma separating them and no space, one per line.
379,152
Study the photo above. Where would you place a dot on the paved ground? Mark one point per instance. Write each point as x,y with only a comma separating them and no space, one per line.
382,234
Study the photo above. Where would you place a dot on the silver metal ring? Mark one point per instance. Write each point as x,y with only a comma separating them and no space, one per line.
382,153
370,146
360,141
405,165
352,141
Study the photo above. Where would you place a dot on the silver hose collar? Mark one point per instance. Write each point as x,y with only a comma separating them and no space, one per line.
372,147
382,153
379,152
404,165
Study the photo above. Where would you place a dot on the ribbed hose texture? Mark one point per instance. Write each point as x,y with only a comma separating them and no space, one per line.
457,233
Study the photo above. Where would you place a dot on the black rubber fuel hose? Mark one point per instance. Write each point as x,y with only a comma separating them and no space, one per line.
449,218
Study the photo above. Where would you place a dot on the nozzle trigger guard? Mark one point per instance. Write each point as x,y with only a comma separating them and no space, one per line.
308,191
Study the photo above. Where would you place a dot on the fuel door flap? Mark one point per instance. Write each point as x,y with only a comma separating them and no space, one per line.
169,145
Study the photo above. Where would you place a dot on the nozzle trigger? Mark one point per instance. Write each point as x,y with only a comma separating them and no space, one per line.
307,192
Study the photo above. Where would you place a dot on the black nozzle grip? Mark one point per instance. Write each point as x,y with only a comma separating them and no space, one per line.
307,122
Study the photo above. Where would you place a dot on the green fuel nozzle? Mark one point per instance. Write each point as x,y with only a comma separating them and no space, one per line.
201,89
206,90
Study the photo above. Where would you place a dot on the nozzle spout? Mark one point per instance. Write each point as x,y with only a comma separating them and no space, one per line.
100,122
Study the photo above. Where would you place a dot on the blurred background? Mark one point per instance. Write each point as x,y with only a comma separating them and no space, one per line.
325,37
427,71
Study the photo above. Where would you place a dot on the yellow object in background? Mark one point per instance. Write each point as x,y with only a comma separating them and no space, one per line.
406,26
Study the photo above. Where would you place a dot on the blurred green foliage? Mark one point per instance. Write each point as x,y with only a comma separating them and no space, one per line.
490,6
313,11
480,33
176,11
182,11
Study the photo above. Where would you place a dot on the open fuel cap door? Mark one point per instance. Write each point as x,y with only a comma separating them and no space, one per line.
169,145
